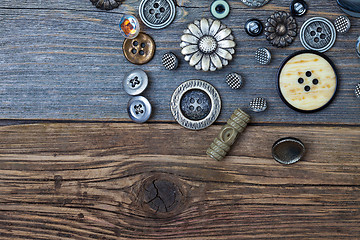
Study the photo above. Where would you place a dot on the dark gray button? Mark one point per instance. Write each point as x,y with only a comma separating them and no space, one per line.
258,104
357,90
288,150
139,109
195,105
255,3
298,8
318,34
263,56
157,14
253,27
234,80
170,61
135,82
350,7
342,24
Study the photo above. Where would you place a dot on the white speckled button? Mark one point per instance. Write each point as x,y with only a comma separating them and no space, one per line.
307,81
135,82
139,109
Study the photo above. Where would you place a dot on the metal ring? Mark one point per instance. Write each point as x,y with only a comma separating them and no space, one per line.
304,39
146,21
195,85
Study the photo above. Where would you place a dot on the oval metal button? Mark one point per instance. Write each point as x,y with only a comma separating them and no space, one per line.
135,82
157,14
288,150
139,109
139,50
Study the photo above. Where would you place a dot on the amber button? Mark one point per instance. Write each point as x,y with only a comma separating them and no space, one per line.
139,50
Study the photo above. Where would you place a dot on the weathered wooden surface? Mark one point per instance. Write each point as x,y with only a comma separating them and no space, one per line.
63,60
85,181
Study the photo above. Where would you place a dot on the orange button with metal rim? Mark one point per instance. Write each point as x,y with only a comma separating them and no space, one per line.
139,50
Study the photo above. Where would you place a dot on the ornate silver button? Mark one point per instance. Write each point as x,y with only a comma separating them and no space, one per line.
357,90
263,56
288,150
139,109
234,80
258,104
318,34
195,104
255,3
207,45
135,82
342,24
170,61
157,14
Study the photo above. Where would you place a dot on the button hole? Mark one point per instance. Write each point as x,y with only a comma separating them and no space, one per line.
135,43
162,9
141,52
143,45
133,51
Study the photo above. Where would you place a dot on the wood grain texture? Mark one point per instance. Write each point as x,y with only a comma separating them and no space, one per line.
85,181
63,60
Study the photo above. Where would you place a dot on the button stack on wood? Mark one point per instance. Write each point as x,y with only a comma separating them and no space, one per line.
228,134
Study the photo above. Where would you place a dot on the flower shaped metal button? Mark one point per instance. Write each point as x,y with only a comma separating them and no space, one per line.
106,4
157,14
139,109
195,104
135,82
317,34
281,29
139,50
207,45
255,3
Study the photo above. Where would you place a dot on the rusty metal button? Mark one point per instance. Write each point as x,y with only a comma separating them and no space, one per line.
288,150
135,82
157,14
139,109
139,50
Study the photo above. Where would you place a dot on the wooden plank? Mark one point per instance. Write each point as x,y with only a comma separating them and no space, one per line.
90,181
63,60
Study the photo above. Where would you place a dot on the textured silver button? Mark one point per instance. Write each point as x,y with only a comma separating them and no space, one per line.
139,109
170,61
157,14
255,3
263,56
135,82
195,104
358,47
357,90
234,80
288,150
342,24
318,34
258,104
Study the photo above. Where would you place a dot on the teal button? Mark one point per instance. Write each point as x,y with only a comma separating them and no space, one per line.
220,9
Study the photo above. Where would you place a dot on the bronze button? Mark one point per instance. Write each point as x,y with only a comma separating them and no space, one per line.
139,50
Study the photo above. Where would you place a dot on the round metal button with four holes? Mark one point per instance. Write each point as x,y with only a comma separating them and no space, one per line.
139,109
195,104
220,9
318,34
139,50
157,14
135,82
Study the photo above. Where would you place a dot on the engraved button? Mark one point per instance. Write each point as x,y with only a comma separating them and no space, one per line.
157,14
220,9
139,50
253,27
318,34
139,109
195,104
135,82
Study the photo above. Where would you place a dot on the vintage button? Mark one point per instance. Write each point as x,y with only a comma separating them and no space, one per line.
253,27
129,26
106,4
317,34
281,29
258,104
139,109
195,104
135,82
255,3
342,24
170,61
298,7
220,9
307,81
139,50
358,47
357,90
350,7
157,14
234,80
288,150
263,56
